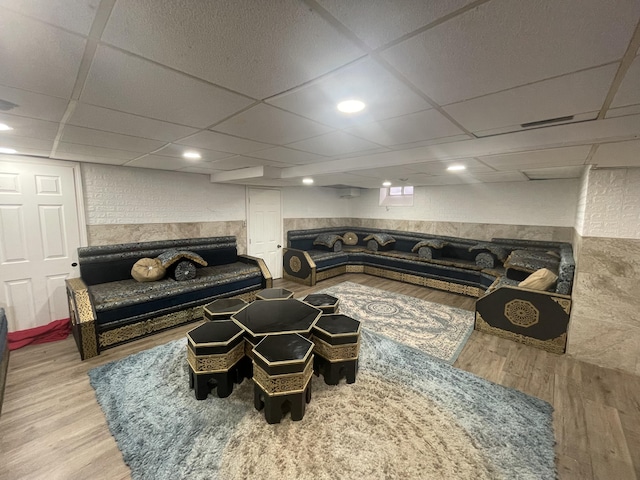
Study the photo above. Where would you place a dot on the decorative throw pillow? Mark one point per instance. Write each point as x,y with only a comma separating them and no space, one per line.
431,242
147,270
541,279
350,238
183,270
382,238
327,239
170,257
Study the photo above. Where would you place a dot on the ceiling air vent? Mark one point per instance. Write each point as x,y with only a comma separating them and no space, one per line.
540,123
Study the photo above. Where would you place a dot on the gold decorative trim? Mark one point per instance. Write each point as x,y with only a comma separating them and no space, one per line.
304,281
564,303
286,384
554,345
332,272
355,268
295,264
263,268
521,313
336,353
216,363
83,317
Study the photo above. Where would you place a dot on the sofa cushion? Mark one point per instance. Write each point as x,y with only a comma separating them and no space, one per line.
499,251
350,238
170,257
327,240
542,279
148,270
183,270
431,242
531,261
382,239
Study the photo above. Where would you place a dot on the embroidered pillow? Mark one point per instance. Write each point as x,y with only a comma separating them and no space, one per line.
431,242
381,238
327,239
147,270
542,279
170,257
350,238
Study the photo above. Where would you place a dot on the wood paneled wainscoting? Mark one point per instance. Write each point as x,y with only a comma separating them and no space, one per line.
52,427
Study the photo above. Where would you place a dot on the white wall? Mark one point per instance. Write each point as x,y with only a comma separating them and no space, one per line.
118,195
581,208
314,202
544,202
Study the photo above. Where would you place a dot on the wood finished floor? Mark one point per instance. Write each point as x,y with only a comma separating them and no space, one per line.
52,427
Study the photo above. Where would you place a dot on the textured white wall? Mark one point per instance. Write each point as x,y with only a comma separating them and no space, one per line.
581,208
314,202
119,195
545,202
612,204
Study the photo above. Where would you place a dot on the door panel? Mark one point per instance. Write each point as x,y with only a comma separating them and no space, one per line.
265,228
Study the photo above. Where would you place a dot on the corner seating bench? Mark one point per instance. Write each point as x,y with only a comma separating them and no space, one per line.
487,270
108,307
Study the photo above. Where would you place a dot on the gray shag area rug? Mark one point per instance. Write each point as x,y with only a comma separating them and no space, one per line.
439,330
407,416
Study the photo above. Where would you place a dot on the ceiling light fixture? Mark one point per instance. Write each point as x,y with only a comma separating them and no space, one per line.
191,155
386,183
456,168
307,181
4,127
7,150
351,106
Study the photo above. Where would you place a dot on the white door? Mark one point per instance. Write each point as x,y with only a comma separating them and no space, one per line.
39,237
265,228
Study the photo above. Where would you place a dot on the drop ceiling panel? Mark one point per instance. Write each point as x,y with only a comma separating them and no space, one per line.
238,161
345,179
387,173
623,111
74,15
440,168
554,173
384,95
43,59
21,144
85,157
159,162
440,180
257,48
335,143
567,95
98,138
502,44
33,105
264,123
202,169
93,151
119,122
552,157
29,127
495,177
222,143
416,127
175,150
379,22
622,154
130,84
629,90
288,155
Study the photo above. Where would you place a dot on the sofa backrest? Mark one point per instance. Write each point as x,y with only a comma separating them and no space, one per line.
110,263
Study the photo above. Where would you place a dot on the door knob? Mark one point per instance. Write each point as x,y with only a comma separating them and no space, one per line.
279,246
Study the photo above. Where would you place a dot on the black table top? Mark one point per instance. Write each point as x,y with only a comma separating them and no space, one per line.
287,348
320,300
214,333
225,305
274,294
263,317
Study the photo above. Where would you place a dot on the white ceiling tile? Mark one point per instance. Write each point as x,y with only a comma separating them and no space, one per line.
440,180
344,180
130,84
623,111
334,143
42,58
554,172
159,162
495,177
563,120
21,143
98,138
365,80
440,168
175,150
621,154
502,44
378,22
84,157
264,123
360,153
119,122
415,127
288,155
552,157
563,96
222,143
34,105
92,151
387,173
238,161
29,127
629,90
74,15
205,169
257,48
434,141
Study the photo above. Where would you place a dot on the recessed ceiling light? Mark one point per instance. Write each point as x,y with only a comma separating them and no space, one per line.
7,150
4,126
456,168
307,181
386,183
191,155
351,106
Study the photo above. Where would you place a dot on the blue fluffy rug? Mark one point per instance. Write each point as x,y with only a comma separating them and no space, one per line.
408,415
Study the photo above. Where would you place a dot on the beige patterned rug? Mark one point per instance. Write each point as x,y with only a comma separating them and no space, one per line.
438,330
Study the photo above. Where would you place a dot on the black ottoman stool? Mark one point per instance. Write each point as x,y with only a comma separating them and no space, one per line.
323,301
214,351
282,371
337,345
223,308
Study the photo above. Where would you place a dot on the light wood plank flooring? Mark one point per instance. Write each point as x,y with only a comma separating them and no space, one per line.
52,427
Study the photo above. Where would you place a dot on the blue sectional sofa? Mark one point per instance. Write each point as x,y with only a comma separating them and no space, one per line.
109,307
490,271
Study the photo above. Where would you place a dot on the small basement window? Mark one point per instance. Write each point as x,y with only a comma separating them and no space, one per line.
396,196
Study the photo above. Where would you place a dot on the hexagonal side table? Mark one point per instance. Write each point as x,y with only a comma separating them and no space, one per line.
274,294
223,308
336,340
214,351
323,301
282,371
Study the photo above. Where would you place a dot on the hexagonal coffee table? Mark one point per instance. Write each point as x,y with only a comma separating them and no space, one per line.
223,308
323,301
337,346
274,294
